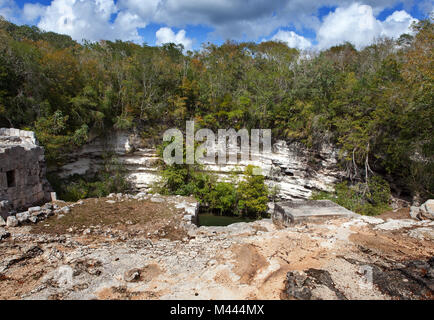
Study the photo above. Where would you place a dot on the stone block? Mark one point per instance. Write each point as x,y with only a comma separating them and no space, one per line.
22,216
12,221
290,212
34,209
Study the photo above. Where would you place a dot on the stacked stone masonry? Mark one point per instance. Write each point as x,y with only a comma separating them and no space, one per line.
22,171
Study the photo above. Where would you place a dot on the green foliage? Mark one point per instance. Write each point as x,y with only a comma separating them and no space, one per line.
51,132
222,198
110,179
248,198
368,199
252,194
375,104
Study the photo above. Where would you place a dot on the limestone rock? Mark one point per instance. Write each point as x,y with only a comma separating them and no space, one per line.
2,221
425,233
65,209
34,209
157,199
428,209
48,212
4,234
291,167
395,224
23,217
415,213
62,276
313,284
48,206
12,221
425,211
132,275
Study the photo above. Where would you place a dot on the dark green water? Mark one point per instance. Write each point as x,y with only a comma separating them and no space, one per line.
208,219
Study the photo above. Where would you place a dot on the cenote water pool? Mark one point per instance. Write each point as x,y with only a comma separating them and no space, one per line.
208,219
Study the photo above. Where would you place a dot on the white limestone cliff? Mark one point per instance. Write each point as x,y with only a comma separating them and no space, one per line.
295,171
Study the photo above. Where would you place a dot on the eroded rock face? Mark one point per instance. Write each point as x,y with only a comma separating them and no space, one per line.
295,171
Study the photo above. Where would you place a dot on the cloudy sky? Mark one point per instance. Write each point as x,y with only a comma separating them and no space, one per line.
304,24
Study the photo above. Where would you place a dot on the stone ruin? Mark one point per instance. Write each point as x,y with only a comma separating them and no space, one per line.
22,171
287,213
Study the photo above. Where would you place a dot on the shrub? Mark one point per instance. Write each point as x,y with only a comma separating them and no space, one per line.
367,199
248,198
223,197
111,179
252,194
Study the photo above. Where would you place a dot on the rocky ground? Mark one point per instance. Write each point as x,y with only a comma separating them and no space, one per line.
127,248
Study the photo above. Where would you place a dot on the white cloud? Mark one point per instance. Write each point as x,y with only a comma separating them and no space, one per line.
146,9
166,35
292,39
8,9
358,25
229,19
241,19
396,24
32,11
86,19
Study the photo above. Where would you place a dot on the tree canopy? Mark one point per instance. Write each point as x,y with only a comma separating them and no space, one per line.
375,104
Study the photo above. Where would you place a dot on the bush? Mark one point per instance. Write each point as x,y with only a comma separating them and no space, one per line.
252,194
367,199
111,179
248,198
223,197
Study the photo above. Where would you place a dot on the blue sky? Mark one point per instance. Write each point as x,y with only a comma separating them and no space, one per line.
304,24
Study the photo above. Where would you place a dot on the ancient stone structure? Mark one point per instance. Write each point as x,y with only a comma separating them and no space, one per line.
295,171
290,212
22,171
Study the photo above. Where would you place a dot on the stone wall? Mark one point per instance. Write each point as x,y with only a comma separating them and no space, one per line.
295,171
22,171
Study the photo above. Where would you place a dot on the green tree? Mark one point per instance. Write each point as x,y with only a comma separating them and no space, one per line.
252,194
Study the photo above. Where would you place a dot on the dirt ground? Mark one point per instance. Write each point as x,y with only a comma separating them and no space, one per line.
141,250
131,216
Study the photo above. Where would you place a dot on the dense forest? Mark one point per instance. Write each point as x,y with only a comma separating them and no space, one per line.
375,104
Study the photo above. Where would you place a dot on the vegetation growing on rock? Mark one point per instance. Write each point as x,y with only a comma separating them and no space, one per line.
369,199
246,196
111,179
375,104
